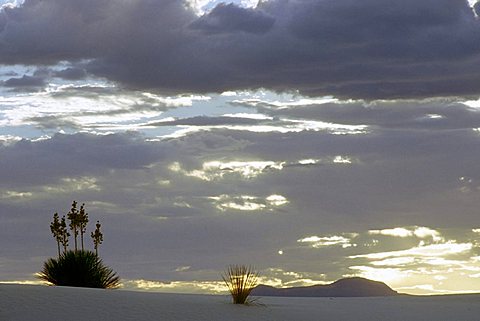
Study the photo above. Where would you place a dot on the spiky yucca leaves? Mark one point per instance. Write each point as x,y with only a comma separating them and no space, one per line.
240,280
79,269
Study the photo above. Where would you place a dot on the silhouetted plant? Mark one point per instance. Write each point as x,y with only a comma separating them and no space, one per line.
55,229
240,280
79,269
59,231
73,216
63,233
82,222
97,237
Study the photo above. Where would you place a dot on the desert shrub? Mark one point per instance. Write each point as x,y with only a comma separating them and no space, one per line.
79,269
240,280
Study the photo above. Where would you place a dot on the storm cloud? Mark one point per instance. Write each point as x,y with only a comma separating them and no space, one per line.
370,49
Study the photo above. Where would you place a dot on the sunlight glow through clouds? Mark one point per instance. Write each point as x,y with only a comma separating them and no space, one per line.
249,116
282,126
415,264
387,275
10,3
288,102
213,170
246,169
318,242
15,195
177,286
397,261
109,110
9,139
271,276
65,186
69,106
279,277
425,251
247,203
308,161
472,103
276,277
342,160
436,260
420,232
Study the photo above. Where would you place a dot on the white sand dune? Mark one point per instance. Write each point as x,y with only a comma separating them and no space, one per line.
41,303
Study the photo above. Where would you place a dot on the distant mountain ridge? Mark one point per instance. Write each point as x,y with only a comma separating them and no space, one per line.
348,287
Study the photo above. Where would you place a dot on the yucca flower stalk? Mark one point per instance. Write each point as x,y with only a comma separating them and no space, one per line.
240,280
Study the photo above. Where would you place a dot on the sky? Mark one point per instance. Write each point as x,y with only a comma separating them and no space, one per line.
312,139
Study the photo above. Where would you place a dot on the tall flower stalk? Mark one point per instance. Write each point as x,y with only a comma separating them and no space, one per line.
55,229
60,233
97,237
82,222
73,216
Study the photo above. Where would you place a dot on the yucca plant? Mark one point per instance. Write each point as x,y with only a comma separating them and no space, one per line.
79,269
240,280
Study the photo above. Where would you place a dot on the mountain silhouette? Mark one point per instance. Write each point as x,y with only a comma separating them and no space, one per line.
348,287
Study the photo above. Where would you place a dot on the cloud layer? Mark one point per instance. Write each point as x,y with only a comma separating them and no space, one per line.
370,49
304,206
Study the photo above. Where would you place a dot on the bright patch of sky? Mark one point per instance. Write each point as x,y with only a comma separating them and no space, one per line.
215,170
442,266
10,2
425,257
66,106
203,6
247,202
435,268
276,277
215,287
472,2
431,250
66,185
318,242
420,232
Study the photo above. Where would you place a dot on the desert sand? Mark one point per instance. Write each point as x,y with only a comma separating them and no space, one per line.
42,303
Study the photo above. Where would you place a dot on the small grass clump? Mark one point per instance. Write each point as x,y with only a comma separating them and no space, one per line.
240,280
79,269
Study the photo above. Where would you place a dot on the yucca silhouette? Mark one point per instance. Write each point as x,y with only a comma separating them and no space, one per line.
79,269
240,280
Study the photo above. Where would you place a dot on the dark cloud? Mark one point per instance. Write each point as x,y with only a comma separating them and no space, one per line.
369,49
229,18
32,163
3,19
25,82
71,74
42,72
